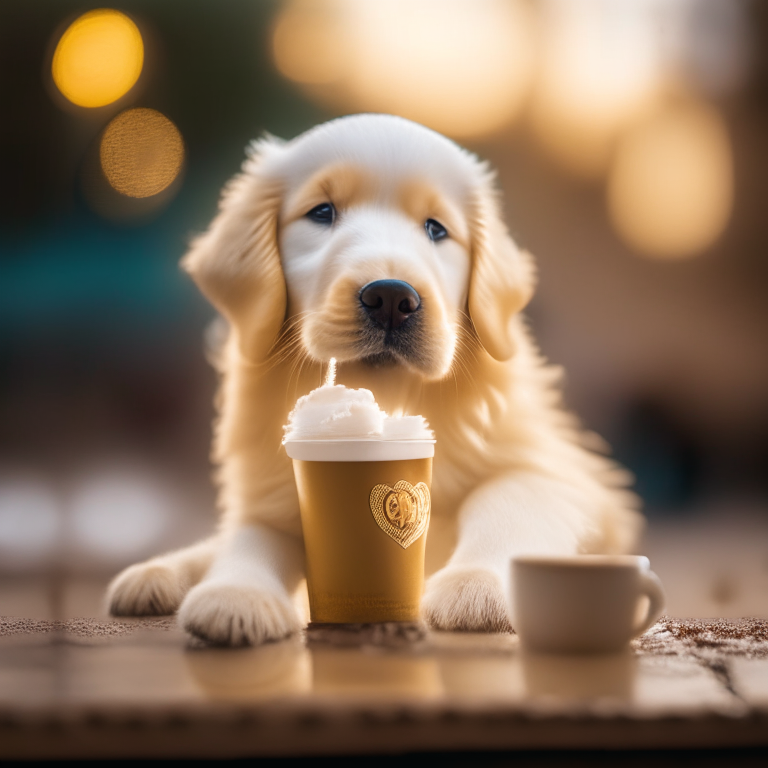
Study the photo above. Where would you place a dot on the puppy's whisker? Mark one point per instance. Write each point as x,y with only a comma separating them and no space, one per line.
288,342
285,354
465,336
289,329
279,358
291,323
305,358
464,352
461,365
295,370
466,347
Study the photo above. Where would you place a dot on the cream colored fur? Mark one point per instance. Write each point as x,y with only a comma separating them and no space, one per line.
512,471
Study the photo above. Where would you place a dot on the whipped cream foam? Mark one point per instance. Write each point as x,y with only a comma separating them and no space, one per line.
335,412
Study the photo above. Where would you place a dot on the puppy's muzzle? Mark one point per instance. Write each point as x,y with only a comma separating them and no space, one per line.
389,303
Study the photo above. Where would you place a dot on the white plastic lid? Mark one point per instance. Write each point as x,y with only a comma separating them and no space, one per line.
359,450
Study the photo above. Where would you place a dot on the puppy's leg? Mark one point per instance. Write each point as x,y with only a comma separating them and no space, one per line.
245,598
157,586
508,516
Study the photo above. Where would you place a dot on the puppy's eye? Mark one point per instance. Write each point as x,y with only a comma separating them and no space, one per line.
435,230
324,213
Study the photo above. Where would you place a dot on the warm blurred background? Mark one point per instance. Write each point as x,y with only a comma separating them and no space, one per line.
630,139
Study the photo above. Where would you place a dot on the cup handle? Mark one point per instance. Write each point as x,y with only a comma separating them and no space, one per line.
650,585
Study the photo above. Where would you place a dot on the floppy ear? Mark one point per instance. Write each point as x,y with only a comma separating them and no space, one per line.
236,263
502,279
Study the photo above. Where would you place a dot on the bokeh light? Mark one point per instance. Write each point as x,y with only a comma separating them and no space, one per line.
304,43
438,62
98,58
30,522
670,188
600,69
120,514
141,152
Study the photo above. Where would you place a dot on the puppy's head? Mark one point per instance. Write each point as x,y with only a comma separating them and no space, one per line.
373,237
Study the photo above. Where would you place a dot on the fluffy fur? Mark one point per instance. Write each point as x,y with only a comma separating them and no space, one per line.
512,471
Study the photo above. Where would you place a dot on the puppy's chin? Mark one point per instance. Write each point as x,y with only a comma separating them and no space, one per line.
380,360
426,354
412,347
427,370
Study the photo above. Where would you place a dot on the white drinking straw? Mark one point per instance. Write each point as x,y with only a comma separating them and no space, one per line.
330,376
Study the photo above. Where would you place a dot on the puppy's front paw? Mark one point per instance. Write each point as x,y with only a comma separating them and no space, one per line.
224,614
466,599
146,589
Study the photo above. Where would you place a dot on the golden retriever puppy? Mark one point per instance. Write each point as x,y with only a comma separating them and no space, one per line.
378,242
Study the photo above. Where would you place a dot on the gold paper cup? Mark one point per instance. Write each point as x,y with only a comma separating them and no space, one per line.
365,507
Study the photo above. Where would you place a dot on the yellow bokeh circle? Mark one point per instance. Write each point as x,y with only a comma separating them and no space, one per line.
460,69
98,58
141,152
670,187
304,45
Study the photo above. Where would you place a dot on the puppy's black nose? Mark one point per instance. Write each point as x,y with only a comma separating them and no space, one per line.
389,303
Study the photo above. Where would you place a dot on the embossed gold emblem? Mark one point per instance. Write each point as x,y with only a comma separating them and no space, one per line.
402,511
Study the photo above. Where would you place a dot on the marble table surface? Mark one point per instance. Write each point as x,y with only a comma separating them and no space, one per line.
137,688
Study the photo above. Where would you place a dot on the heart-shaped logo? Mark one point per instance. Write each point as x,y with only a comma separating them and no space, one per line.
402,511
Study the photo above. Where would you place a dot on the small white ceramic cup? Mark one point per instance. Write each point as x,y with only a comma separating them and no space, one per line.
583,603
